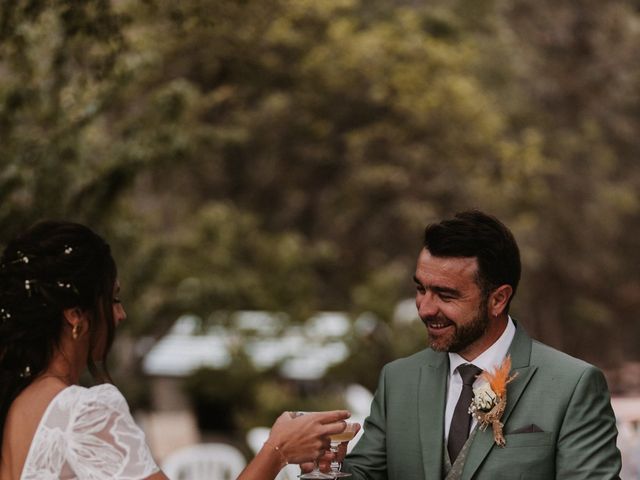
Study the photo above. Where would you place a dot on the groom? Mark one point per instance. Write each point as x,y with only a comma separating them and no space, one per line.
558,421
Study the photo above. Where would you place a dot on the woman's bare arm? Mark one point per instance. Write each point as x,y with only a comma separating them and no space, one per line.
294,440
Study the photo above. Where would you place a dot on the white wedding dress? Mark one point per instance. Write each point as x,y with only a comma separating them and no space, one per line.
88,434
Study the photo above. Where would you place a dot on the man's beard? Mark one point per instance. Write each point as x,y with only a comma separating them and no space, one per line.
464,335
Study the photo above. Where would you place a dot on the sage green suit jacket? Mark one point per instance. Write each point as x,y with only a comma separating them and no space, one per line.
560,404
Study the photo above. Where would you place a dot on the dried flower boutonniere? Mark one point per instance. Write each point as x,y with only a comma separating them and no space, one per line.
490,399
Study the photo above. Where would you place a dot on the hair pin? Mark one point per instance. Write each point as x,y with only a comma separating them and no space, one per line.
28,286
26,373
23,258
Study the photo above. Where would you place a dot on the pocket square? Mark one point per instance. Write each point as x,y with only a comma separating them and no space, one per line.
528,429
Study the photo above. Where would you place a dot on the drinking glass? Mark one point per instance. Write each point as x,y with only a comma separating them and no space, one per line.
336,440
315,473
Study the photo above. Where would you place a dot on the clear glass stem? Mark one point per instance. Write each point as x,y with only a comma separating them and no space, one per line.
336,466
316,473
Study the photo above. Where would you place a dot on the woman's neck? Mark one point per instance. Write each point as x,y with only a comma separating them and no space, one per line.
67,364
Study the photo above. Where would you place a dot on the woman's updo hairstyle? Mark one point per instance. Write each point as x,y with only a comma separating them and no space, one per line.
51,267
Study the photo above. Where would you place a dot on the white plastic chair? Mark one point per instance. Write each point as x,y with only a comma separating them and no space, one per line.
205,461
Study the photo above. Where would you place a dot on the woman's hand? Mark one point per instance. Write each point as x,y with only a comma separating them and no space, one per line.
295,440
306,437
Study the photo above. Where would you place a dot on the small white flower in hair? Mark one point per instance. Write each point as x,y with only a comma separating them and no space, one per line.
22,258
68,250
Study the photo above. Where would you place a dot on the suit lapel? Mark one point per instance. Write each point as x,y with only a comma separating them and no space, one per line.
520,351
431,405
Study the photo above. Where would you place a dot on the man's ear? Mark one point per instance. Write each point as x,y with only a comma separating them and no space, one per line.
499,299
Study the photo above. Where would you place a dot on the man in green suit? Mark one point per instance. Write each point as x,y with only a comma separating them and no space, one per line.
558,421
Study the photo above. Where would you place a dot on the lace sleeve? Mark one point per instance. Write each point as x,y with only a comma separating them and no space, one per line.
104,441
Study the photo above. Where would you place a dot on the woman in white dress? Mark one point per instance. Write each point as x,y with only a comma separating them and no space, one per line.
59,307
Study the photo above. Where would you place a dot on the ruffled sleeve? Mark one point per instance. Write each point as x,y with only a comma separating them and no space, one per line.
89,434
104,441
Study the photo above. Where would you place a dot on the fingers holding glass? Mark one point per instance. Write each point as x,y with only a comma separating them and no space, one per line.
316,473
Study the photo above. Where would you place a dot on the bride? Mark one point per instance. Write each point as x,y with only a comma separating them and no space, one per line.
59,307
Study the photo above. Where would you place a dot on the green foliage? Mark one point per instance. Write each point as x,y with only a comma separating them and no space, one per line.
240,398
286,154
218,396
375,344
62,71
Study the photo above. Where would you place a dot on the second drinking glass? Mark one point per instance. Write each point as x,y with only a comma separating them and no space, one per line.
315,473
336,440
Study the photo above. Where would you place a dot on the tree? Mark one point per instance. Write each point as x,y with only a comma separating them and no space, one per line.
286,154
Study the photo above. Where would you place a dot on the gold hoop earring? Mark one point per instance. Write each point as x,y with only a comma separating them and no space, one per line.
74,332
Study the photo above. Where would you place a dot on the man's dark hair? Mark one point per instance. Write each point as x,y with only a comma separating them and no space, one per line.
476,234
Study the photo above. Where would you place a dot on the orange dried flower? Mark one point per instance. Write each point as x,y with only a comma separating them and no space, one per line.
499,377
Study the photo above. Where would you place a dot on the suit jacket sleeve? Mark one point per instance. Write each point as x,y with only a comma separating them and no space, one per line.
586,447
368,460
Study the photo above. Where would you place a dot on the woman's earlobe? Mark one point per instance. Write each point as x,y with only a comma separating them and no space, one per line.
71,316
75,318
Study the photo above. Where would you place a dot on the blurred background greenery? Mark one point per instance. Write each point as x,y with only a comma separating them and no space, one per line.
285,155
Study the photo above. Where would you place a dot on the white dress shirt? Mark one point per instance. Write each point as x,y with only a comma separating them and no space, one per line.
487,360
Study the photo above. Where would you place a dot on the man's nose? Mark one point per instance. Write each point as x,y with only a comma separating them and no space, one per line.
427,307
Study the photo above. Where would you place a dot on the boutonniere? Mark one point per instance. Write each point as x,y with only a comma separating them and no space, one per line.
490,399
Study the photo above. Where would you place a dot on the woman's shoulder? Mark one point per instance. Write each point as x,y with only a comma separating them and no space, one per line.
103,393
85,426
41,391
25,413
33,402
79,399
45,404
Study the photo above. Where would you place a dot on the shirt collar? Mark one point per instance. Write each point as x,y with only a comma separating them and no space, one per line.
492,356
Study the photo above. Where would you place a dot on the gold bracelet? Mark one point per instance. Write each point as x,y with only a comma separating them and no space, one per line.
279,451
